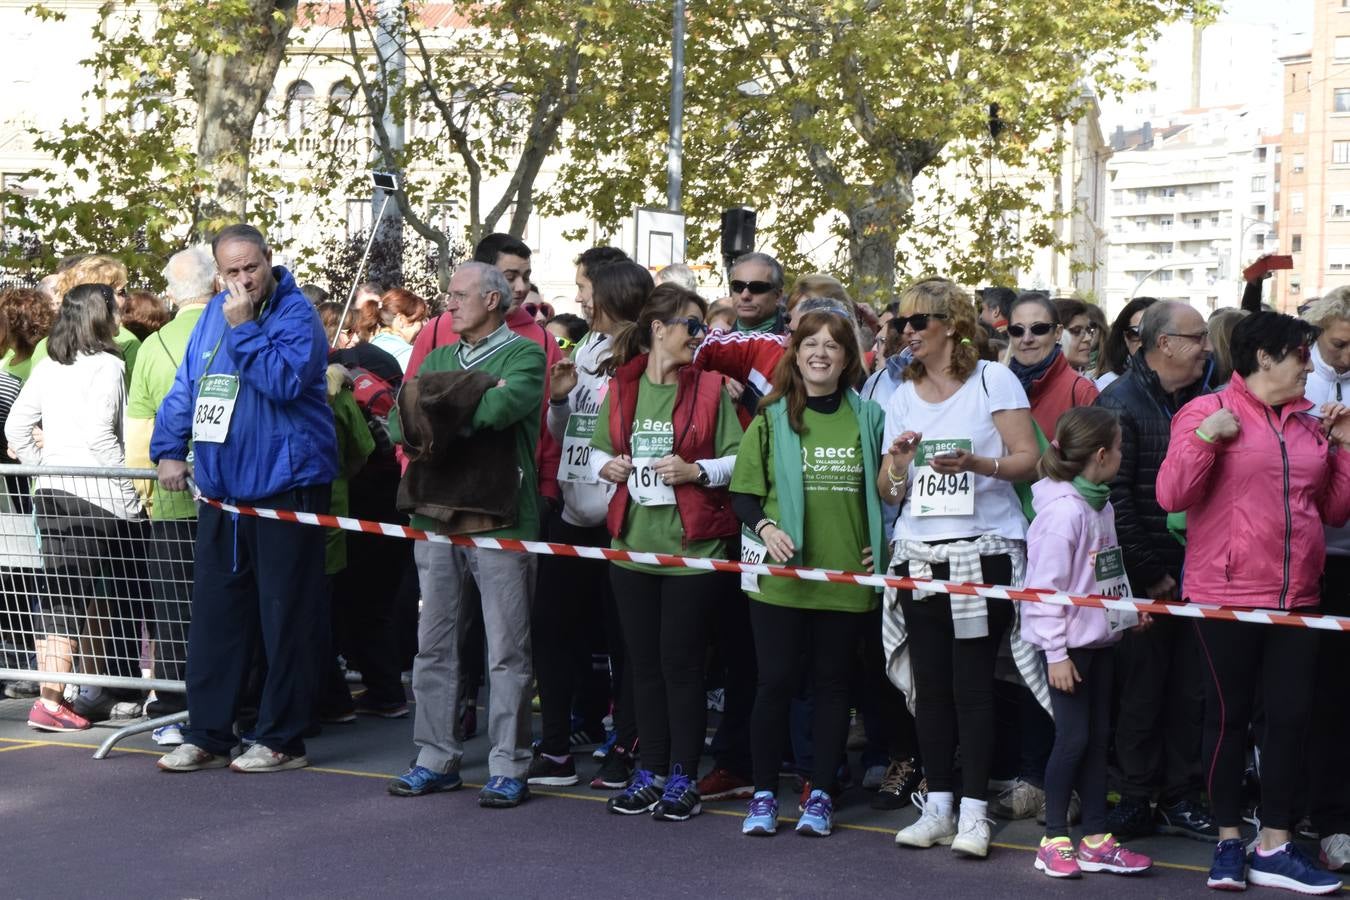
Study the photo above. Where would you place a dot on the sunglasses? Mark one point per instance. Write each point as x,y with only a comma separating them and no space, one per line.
695,325
754,287
1132,332
535,309
918,321
1040,329
1080,330
565,344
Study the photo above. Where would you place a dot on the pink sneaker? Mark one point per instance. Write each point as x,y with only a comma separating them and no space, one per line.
1056,859
1110,856
62,719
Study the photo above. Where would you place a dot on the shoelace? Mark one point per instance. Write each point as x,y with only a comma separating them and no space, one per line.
642,779
762,806
920,802
676,785
818,806
497,783
896,776
1063,849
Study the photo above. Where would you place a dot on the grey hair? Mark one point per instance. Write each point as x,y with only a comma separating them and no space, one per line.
1335,304
190,274
490,279
680,274
1157,320
775,267
239,232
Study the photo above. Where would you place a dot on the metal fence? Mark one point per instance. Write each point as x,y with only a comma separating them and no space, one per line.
95,598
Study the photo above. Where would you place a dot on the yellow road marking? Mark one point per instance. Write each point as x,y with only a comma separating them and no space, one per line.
26,745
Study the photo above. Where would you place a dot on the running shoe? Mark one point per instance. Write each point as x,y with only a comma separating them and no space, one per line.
191,758
972,835
1110,856
762,816
63,718
1228,872
1288,868
503,792
818,817
170,735
641,795
1131,818
259,759
1056,858
1187,820
420,780
680,800
616,770
396,710
546,771
724,784
901,781
1021,800
932,827
1335,853
611,738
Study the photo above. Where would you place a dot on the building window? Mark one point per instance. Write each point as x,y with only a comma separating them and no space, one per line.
1296,201
299,108
1165,224
1140,195
1296,243
1167,192
1295,284
1258,183
1259,211
1338,205
1340,153
1260,154
1298,123
358,217
1297,163
1340,99
1338,259
1341,47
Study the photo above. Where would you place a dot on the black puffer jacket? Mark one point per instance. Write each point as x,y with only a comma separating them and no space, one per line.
1145,413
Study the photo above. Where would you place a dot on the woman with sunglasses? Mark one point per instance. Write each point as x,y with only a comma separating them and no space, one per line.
1122,342
666,436
958,434
1081,333
1041,365
803,492
1259,471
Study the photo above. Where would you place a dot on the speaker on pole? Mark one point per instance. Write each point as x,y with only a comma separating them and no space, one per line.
738,233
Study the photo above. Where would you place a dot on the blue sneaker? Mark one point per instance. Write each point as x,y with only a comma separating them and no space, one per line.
680,801
1288,868
1229,870
762,817
641,795
611,738
420,780
170,735
502,792
818,816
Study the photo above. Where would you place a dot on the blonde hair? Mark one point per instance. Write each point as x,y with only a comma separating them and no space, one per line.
818,284
93,270
944,297
1334,304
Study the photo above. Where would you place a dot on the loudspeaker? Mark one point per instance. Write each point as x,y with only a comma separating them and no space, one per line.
738,232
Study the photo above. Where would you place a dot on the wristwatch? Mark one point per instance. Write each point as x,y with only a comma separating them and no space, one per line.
703,478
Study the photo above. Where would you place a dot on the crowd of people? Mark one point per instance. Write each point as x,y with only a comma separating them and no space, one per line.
1008,438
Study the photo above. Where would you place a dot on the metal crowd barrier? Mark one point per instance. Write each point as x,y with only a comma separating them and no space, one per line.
92,592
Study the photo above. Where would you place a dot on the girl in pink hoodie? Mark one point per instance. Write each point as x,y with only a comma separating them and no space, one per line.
1072,547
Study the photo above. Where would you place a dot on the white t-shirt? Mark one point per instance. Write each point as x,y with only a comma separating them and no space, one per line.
966,414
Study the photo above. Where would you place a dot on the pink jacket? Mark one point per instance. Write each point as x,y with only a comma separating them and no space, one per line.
1062,544
1255,505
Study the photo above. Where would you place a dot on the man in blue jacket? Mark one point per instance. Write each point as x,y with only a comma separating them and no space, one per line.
248,406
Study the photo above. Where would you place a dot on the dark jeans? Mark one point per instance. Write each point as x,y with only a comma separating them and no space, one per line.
734,655
789,644
665,622
1160,683
571,601
954,680
1245,660
169,566
1329,730
1082,735
887,721
256,576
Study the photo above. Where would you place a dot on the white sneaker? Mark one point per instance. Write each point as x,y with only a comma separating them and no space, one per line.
932,827
191,758
258,758
972,836
170,735
1336,852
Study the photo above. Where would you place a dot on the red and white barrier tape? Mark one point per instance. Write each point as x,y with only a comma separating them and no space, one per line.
992,592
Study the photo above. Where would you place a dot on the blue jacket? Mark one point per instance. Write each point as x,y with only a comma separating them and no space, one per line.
281,434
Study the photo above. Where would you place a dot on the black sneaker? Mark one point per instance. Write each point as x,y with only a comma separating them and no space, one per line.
680,801
641,796
1130,819
615,771
1187,820
546,771
901,780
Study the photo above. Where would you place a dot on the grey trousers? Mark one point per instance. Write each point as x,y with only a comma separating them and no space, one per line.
506,581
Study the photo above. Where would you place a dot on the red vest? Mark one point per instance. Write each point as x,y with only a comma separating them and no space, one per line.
704,512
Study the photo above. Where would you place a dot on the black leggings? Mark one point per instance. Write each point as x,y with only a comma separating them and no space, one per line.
665,626
955,681
789,644
1242,659
1082,733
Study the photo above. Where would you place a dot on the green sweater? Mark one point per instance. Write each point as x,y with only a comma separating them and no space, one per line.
520,363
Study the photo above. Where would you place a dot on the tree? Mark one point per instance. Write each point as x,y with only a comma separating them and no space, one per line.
838,108
167,162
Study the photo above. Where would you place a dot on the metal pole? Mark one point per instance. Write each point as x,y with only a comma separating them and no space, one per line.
361,267
675,168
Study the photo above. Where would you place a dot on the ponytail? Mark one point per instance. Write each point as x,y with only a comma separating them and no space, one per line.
1079,433
632,339
624,344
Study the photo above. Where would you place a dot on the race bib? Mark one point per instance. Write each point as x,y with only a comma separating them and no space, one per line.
646,487
936,494
1108,570
754,553
575,465
215,407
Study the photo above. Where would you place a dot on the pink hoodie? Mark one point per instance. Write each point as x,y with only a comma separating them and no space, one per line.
1061,546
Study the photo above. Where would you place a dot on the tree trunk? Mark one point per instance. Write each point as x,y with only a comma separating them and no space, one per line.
231,89
873,233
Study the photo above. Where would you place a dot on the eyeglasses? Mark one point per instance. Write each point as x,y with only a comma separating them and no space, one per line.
1200,336
1080,330
918,321
1040,329
695,325
755,287
564,344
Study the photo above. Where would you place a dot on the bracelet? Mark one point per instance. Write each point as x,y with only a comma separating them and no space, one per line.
894,478
994,474
762,524
1204,437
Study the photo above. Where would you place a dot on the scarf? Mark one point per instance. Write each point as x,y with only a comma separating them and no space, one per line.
1095,494
1028,374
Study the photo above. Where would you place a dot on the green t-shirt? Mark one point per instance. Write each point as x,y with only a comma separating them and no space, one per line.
23,369
151,380
657,529
127,343
834,505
